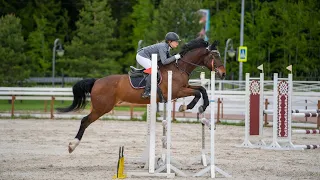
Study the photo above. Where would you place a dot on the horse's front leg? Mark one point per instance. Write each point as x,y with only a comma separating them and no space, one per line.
205,98
184,92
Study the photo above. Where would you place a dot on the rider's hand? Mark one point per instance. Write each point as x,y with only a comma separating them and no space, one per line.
177,56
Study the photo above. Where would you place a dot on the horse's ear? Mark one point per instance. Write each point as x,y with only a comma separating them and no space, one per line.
215,43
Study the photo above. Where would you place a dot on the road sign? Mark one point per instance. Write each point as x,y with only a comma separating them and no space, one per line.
242,55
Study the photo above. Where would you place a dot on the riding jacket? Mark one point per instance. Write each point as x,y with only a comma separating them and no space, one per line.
161,49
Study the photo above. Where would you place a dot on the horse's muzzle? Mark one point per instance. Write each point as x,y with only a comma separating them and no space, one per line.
223,75
221,71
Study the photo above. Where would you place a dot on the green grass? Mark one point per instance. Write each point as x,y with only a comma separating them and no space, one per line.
38,105
233,124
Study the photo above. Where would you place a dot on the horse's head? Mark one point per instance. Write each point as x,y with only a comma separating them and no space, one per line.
199,53
213,60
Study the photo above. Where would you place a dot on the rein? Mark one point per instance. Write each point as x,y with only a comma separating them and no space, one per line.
197,65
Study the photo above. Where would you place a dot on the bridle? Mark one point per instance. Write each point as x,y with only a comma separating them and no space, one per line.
211,56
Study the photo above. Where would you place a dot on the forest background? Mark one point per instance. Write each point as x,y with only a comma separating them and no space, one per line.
100,37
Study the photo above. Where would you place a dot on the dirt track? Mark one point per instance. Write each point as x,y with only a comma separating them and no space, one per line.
37,149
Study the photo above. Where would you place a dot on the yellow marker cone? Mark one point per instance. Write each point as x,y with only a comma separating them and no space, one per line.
120,168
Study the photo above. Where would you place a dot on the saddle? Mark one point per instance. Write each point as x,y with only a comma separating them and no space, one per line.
138,78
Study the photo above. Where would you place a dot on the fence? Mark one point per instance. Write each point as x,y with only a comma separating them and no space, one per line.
230,93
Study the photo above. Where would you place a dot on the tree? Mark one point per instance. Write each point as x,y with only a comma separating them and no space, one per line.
137,27
92,51
142,16
224,24
179,16
123,32
14,68
39,53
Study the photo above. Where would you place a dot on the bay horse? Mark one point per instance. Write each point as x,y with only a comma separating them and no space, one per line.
106,92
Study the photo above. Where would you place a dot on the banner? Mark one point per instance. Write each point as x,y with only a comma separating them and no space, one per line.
205,21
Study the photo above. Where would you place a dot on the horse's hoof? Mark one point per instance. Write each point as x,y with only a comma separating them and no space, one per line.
182,108
70,148
201,109
73,144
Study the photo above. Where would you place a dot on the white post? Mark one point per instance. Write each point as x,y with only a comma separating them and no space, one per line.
212,168
169,108
275,144
289,107
246,142
153,102
203,148
212,124
261,105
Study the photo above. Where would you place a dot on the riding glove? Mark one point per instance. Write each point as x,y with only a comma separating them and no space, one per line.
177,56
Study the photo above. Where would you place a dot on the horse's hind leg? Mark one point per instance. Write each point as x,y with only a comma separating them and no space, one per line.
85,122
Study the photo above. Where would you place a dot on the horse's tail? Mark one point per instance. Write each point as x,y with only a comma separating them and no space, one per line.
80,91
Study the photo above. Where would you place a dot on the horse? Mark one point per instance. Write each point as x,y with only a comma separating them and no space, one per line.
106,92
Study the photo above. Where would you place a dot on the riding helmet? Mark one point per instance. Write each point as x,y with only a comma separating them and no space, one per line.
172,36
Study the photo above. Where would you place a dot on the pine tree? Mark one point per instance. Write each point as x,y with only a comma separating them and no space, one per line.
39,53
92,52
179,16
142,17
139,24
14,68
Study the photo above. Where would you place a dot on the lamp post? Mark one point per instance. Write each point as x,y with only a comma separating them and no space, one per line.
231,52
241,38
60,53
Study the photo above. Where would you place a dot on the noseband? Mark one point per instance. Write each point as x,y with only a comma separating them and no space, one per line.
213,59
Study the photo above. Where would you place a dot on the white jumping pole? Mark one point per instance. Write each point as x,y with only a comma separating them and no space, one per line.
247,142
212,168
212,125
168,166
203,143
151,136
203,158
153,102
169,107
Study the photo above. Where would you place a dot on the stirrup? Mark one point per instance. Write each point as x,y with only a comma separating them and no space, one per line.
145,95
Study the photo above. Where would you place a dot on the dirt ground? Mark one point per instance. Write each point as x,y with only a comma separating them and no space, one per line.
37,149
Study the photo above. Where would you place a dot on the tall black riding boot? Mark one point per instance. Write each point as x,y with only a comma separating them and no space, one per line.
147,89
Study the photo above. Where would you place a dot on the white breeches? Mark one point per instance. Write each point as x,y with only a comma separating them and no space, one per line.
144,62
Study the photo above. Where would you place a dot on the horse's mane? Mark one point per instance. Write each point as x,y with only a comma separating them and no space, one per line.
193,44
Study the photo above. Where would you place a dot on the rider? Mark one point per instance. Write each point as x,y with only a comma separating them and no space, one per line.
162,49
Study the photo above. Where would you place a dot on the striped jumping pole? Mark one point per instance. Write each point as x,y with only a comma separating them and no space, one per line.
306,111
254,111
306,114
306,131
297,112
308,146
